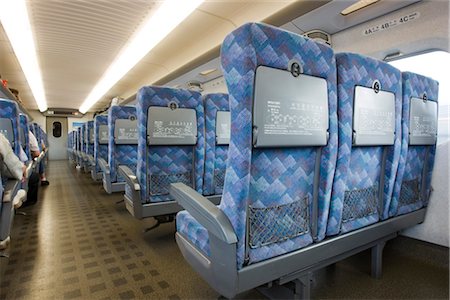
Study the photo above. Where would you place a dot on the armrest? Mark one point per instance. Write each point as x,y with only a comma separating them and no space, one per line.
129,176
103,165
11,188
206,213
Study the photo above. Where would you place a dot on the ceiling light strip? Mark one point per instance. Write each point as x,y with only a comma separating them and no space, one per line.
165,19
16,23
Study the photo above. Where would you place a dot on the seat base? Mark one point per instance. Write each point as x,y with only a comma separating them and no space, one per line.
294,265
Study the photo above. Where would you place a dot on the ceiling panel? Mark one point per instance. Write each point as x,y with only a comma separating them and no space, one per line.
77,40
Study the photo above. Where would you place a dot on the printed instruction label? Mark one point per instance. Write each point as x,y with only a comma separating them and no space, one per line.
127,134
392,23
173,129
293,118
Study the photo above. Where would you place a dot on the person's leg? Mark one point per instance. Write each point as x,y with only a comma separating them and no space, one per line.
33,187
44,180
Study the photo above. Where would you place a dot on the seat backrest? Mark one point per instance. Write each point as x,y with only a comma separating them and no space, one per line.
23,134
9,123
171,141
122,146
101,139
282,89
78,146
89,136
369,111
217,136
83,138
419,131
37,134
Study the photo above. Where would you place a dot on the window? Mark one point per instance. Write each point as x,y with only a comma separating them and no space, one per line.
435,65
57,129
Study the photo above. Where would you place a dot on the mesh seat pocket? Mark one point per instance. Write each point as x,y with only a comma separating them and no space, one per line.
360,203
159,184
409,192
274,224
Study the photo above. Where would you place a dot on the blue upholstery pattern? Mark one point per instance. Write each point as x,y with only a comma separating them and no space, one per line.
168,160
359,168
100,150
79,138
24,127
10,110
190,228
120,154
90,146
83,138
268,177
412,158
216,155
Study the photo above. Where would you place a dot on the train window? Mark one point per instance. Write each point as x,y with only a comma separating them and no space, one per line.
435,65
57,129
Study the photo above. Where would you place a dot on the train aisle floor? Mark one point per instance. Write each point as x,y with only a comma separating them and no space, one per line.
78,243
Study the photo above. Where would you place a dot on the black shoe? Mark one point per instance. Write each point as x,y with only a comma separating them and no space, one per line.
44,182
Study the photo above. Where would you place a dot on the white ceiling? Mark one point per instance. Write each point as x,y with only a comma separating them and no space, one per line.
77,40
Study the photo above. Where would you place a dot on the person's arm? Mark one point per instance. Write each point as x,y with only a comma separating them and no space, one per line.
34,147
11,162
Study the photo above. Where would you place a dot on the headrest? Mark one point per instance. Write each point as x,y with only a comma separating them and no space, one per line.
289,108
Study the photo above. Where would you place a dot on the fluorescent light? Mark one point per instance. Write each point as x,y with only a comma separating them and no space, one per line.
166,18
357,6
207,72
15,21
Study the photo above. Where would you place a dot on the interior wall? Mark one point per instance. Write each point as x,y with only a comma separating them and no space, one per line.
87,117
38,118
406,38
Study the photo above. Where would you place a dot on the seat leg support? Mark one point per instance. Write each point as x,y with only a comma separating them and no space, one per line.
303,287
377,260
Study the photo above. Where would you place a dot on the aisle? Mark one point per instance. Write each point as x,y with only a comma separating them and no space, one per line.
77,242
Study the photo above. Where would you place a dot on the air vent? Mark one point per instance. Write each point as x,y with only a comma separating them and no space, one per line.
62,112
195,86
319,36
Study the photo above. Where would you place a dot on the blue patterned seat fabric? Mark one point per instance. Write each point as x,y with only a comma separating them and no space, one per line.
358,169
83,138
216,155
269,177
78,139
120,154
90,145
407,189
25,142
168,161
100,150
9,110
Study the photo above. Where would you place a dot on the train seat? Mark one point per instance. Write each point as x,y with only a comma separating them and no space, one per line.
9,127
282,156
101,140
369,113
171,149
217,138
419,133
25,145
122,146
89,146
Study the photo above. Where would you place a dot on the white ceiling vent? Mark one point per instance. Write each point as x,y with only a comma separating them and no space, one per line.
319,36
